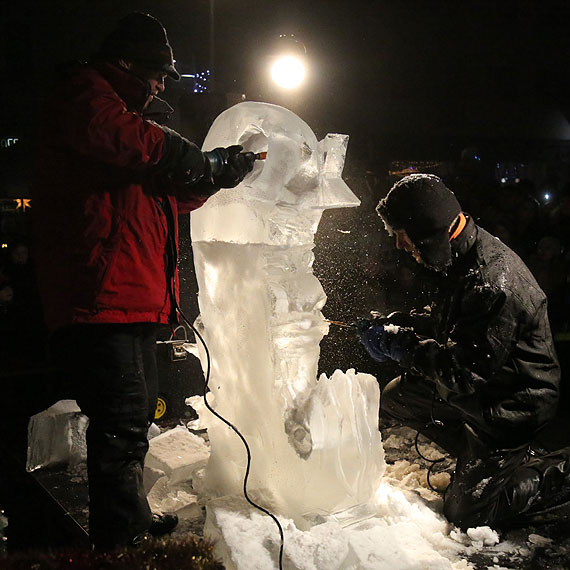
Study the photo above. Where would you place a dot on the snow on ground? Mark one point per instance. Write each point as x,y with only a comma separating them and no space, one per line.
403,530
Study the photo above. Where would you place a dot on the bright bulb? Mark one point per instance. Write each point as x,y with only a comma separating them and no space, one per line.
288,72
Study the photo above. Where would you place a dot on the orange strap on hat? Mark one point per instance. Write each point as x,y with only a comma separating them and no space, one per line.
460,225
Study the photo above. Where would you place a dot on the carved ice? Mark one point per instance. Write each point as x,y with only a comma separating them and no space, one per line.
315,445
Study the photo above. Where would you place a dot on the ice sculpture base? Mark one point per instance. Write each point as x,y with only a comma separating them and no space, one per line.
342,472
398,532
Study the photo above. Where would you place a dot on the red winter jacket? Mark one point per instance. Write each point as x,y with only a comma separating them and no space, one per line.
100,219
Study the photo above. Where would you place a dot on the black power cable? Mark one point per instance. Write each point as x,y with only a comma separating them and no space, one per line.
432,462
239,434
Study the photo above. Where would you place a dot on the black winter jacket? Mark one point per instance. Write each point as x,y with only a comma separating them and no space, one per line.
486,343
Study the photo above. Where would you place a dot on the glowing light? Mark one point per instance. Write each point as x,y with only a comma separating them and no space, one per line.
4,246
200,80
8,142
23,203
546,196
288,72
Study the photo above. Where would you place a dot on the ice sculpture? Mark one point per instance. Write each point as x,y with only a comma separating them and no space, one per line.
315,445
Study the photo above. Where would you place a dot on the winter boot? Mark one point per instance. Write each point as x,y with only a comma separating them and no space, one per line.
162,523
546,490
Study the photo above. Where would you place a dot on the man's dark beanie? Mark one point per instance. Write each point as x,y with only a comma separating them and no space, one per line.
425,208
142,39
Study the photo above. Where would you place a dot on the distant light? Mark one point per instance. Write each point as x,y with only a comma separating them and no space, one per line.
503,180
288,72
200,80
23,203
4,246
546,196
8,142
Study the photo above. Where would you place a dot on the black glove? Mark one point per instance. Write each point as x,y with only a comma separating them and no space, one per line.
229,165
182,161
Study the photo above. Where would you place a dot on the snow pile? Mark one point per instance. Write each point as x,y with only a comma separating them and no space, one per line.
400,529
412,538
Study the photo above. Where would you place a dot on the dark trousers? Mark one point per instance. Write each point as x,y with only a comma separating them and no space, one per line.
493,484
110,369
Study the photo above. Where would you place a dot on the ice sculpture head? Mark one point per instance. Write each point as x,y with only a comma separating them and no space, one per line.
298,170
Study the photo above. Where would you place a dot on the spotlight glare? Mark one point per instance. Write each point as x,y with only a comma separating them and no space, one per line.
288,72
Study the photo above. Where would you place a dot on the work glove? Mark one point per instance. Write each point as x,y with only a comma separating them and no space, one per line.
182,161
386,342
229,165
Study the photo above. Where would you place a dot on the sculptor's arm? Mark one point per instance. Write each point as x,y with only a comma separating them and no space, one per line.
472,353
196,174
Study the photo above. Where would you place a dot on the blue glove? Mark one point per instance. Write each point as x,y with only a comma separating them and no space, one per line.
388,342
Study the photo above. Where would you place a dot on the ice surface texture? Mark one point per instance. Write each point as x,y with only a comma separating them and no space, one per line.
315,445
57,436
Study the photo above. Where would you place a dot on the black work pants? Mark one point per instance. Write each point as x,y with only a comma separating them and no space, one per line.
111,371
493,484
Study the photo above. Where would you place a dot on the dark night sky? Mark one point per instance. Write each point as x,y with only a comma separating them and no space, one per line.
380,70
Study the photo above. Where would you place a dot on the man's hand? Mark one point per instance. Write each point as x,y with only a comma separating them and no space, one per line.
386,342
230,165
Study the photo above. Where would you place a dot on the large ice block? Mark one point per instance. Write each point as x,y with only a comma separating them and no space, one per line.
178,453
315,445
57,436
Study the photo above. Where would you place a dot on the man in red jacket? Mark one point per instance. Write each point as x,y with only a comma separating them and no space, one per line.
109,186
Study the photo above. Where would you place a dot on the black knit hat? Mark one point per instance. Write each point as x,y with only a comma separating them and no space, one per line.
142,39
423,206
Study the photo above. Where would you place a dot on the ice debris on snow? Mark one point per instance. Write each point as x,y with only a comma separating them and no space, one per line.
538,540
413,540
175,460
